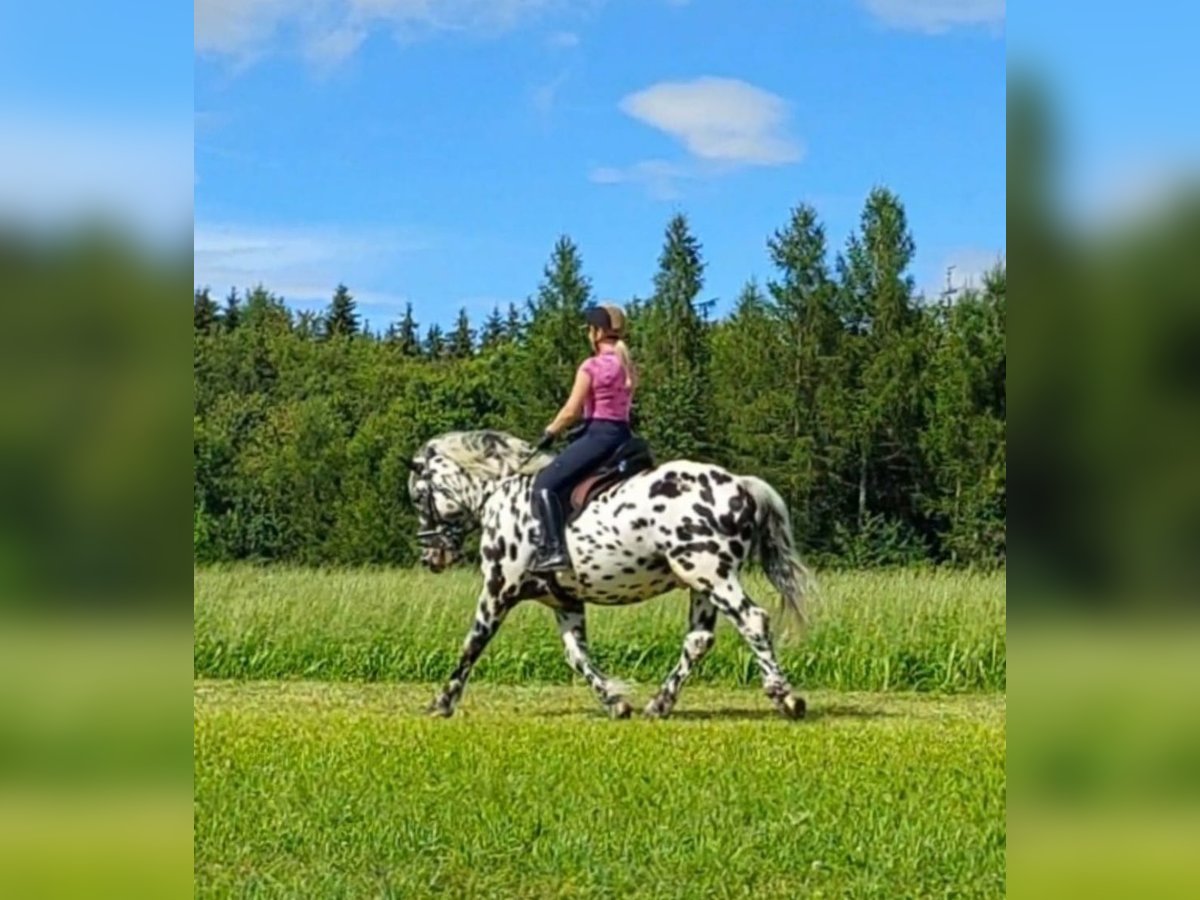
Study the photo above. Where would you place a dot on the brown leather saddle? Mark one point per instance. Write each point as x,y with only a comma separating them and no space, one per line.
627,460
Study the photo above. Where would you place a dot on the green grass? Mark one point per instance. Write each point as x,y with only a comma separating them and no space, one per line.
906,630
347,790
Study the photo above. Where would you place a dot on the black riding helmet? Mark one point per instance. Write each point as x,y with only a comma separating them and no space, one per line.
598,316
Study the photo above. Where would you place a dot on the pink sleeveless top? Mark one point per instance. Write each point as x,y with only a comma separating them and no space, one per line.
609,398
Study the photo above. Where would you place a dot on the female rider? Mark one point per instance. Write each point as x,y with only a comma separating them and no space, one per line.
602,395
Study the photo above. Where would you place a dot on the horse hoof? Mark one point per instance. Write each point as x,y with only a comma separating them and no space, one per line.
656,709
620,710
439,710
793,707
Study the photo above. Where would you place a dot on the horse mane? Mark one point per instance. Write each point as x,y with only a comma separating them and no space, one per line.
486,453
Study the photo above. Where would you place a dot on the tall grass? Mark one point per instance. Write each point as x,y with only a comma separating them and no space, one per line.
900,630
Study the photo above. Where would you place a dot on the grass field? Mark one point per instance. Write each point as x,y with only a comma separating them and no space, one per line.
318,775
345,790
926,631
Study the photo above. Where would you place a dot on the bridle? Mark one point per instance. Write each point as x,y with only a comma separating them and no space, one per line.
445,534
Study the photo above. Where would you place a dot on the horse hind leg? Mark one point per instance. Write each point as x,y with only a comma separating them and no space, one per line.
752,623
702,623
572,628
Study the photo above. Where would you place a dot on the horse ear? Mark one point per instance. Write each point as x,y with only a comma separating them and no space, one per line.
416,467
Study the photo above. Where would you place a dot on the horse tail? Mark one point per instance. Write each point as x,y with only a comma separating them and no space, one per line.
776,550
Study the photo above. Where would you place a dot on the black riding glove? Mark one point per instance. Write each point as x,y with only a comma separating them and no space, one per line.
546,441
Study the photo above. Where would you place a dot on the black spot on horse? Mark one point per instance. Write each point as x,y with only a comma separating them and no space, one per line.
495,581
639,523
512,551
628,570
720,477
737,548
666,487
617,511
660,507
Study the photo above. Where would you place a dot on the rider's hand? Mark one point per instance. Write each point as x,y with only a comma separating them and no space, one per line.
546,441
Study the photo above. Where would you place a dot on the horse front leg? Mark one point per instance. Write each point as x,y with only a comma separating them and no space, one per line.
572,628
489,615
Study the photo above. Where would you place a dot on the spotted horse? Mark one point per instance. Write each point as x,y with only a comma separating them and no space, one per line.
680,524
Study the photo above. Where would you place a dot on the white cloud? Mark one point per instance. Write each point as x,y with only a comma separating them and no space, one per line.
718,119
136,173
659,176
329,48
723,124
299,263
938,16
331,30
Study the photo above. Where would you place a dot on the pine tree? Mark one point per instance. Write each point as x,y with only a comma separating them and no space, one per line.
341,316
204,312
493,330
514,324
231,313
671,347
308,324
462,339
749,397
405,335
875,297
265,311
556,341
434,347
803,307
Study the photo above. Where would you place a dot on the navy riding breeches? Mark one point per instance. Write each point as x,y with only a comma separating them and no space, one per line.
599,440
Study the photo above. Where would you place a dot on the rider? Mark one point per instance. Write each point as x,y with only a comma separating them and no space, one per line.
602,395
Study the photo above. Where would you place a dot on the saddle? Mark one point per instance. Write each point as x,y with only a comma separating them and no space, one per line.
627,460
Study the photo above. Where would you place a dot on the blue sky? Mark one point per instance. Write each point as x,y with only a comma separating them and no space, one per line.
433,151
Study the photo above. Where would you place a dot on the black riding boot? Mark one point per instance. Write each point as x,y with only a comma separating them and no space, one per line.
551,553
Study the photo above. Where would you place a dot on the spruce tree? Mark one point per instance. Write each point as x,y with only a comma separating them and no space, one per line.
341,316
514,324
556,339
802,305
434,347
462,339
671,349
204,312
876,298
231,312
493,330
407,335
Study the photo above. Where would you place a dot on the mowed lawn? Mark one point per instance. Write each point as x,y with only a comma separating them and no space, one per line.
342,790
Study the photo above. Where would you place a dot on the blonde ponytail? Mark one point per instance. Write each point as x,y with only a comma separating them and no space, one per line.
616,316
627,362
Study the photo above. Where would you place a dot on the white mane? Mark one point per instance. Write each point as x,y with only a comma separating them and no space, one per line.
487,453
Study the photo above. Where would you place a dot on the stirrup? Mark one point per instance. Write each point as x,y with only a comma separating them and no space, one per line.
550,561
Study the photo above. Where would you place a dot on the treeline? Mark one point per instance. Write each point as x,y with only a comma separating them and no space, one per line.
879,414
